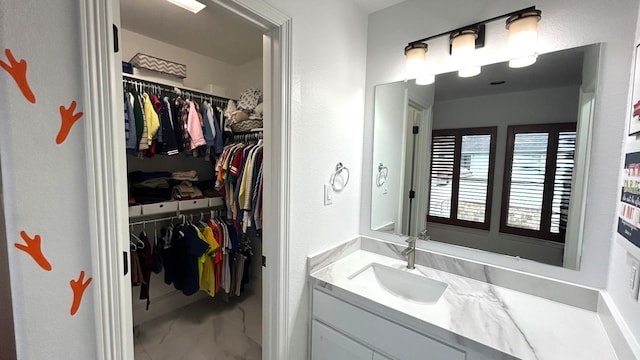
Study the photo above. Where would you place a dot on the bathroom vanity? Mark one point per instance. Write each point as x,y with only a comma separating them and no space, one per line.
367,305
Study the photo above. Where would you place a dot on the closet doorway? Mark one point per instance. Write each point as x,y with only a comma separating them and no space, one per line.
246,317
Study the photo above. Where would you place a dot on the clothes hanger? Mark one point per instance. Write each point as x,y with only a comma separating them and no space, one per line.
138,243
202,223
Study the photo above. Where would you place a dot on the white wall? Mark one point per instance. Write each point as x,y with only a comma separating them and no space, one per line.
248,75
390,111
44,188
201,70
329,49
541,106
564,24
628,308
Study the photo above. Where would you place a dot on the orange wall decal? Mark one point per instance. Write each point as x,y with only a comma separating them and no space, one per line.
34,249
18,70
68,119
78,287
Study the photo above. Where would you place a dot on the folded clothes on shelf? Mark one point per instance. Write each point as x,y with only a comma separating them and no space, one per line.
186,190
153,183
145,195
191,175
140,176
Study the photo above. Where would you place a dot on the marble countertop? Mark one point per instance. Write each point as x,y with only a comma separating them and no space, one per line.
510,322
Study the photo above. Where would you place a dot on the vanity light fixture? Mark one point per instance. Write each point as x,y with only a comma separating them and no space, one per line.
522,45
192,5
463,50
416,60
523,37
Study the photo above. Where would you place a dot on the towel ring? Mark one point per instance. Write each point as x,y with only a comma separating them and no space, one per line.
383,172
339,169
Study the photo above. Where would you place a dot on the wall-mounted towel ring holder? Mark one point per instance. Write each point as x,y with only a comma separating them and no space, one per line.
337,175
383,172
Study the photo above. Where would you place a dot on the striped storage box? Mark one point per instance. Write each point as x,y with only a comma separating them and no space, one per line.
159,65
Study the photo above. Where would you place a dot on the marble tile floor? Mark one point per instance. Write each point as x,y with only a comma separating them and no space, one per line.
207,329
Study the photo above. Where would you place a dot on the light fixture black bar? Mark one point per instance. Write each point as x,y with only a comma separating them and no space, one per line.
475,25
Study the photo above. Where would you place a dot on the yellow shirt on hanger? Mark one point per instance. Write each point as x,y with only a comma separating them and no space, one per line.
206,263
151,117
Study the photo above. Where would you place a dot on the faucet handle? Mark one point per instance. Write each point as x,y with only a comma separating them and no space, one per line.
423,234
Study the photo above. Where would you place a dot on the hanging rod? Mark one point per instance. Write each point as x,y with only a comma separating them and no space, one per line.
254,131
172,88
174,214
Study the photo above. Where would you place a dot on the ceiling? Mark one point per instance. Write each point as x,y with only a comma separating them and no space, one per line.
371,6
561,68
213,32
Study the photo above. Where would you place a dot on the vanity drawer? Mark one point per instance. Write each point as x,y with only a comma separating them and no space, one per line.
386,336
159,208
193,204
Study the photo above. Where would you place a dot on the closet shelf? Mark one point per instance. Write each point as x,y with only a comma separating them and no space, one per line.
172,87
174,207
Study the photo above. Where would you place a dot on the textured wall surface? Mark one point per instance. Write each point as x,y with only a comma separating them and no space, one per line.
45,190
329,50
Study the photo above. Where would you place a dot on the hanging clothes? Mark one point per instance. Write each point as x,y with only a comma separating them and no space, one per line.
194,126
239,173
130,125
146,262
208,256
168,144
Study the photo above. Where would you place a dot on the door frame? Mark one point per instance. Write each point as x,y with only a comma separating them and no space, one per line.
8,338
107,184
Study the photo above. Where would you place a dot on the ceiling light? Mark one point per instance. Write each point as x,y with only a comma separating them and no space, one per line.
463,51
416,61
191,5
523,37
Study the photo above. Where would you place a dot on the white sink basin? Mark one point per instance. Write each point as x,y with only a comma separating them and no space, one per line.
402,284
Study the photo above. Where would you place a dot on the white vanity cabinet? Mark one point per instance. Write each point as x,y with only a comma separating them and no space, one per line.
341,331
329,344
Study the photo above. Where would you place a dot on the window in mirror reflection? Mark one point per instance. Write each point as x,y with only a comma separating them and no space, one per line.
462,163
538,184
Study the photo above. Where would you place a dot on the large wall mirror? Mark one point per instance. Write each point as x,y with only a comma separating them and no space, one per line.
496,162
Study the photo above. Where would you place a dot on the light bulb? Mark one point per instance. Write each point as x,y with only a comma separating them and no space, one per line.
426,79
469,72
523,38
416,62
463,51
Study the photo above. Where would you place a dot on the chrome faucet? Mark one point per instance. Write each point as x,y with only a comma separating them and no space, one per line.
410,251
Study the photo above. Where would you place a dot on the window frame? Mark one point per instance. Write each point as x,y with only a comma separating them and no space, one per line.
553,130
492,131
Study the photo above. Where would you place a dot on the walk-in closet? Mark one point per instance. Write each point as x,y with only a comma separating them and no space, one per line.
192,97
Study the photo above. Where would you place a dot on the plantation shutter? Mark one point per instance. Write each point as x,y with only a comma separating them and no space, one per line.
474,178
562,182
527,180
442,164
